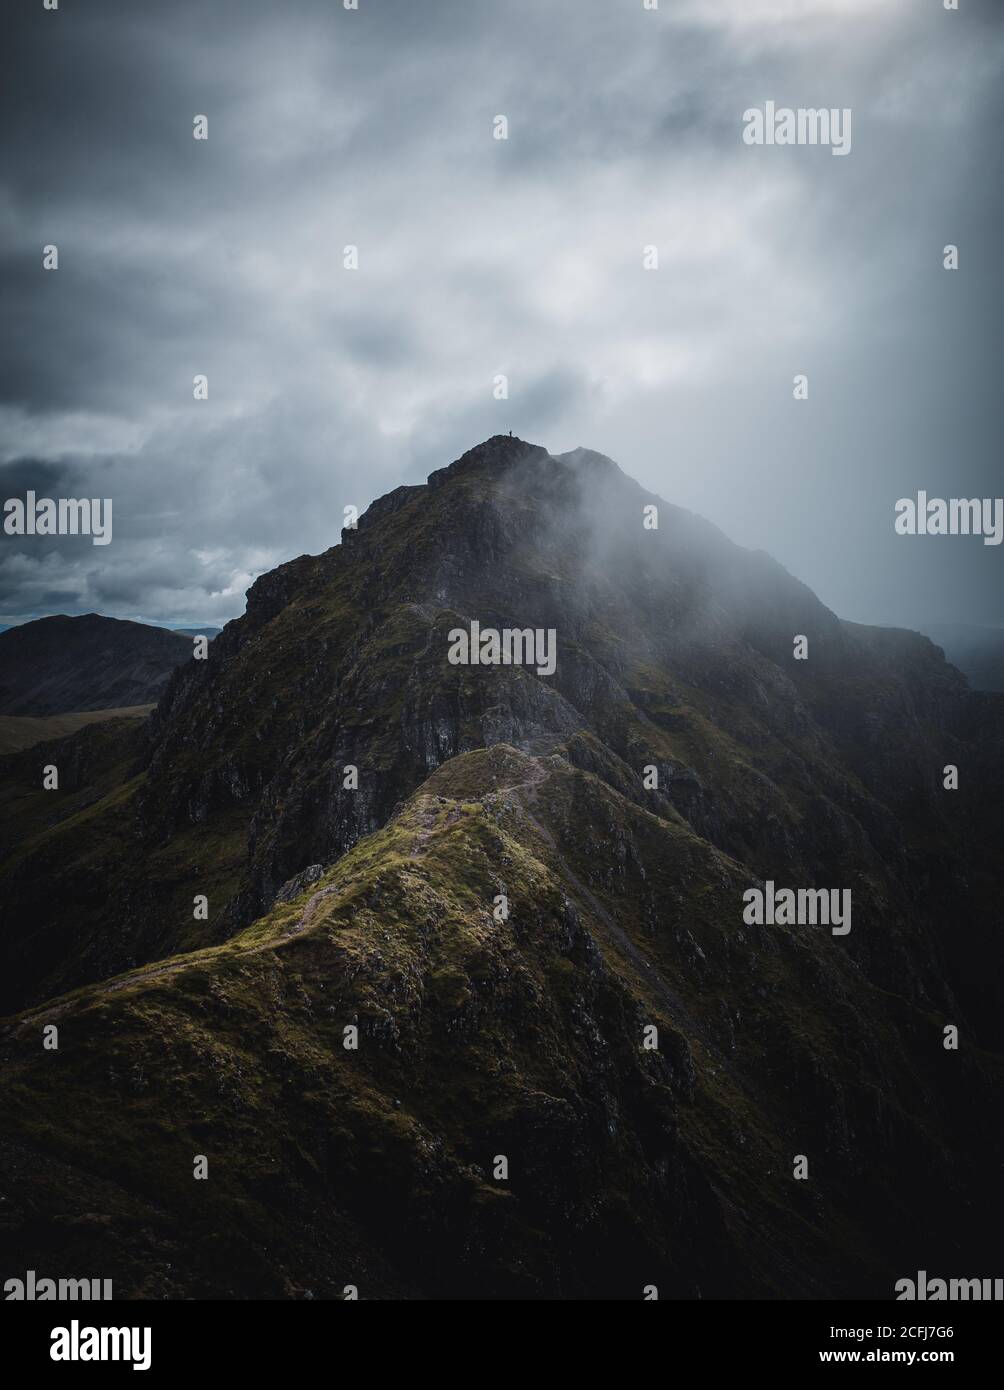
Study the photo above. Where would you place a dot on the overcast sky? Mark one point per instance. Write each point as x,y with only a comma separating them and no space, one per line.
480,256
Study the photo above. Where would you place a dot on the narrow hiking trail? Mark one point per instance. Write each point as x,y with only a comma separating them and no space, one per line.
46,1013
523,794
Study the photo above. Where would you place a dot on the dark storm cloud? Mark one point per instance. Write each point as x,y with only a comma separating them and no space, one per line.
19,475
480,257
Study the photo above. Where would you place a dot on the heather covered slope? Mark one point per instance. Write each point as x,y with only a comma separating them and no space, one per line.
480,1038
19,731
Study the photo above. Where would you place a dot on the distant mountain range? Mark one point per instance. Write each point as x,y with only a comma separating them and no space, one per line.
192,631
60,665
443,967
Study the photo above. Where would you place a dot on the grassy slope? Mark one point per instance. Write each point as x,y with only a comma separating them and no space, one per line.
19,731
85,836
478,1038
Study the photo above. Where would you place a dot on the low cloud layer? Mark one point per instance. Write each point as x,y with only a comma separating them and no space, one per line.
480,257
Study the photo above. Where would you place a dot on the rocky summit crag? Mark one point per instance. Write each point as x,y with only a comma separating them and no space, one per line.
335,906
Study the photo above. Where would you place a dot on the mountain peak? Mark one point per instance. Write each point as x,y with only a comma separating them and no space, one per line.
623,801
499,451
501,446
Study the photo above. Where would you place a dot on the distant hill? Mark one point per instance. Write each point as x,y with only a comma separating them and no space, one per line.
977,651
61,665
199,631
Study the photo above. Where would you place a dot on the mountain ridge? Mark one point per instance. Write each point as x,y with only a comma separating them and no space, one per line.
675,653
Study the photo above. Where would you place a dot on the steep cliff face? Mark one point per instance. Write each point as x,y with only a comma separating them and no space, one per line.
523,1038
